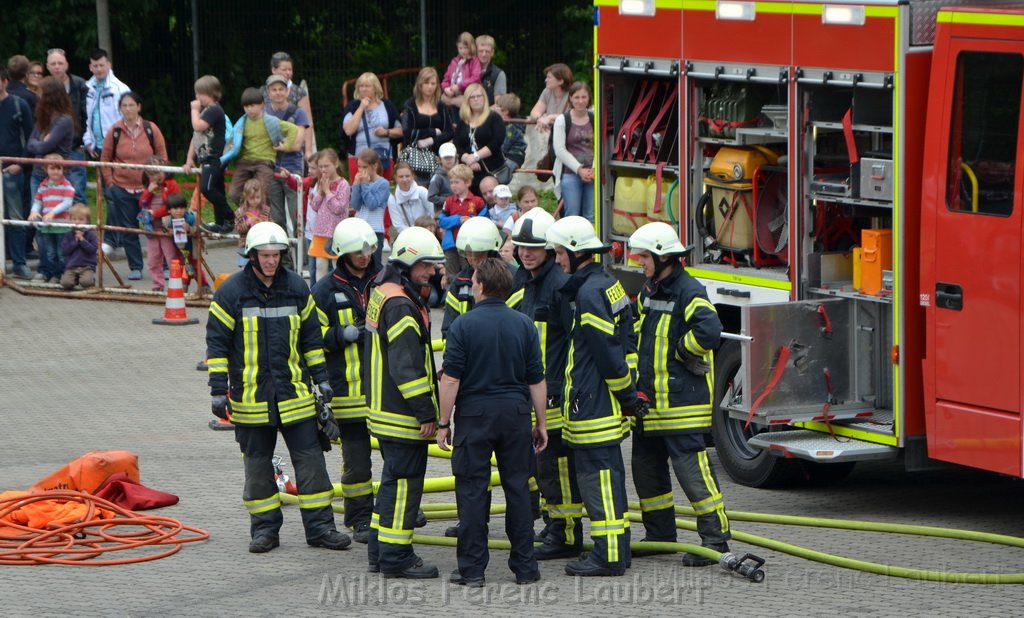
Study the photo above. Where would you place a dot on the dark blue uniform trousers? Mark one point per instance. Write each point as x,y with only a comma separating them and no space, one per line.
398,502
504,428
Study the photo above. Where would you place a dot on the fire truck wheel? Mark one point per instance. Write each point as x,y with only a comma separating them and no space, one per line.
744,464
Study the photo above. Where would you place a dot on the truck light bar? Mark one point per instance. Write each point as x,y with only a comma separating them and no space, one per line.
845,15
636,7
737,11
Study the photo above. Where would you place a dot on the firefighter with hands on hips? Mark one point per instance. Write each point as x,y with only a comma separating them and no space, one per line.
679,329
263,343
402,399
538,296
599,390
476,241
492,374
341,300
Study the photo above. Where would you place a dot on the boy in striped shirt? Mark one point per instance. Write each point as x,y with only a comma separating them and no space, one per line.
51,205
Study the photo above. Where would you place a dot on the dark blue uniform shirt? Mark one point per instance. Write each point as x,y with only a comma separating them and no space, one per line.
494,352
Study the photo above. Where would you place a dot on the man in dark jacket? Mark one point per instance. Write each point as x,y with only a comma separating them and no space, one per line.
679,329
263,342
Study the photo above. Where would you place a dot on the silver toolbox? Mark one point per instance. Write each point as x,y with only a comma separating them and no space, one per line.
876,179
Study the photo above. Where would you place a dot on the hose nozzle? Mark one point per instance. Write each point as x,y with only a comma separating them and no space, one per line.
748,566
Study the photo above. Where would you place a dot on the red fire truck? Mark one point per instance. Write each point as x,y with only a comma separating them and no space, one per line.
847,176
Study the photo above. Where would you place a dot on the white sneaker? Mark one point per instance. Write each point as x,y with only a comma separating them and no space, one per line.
39,277
107,249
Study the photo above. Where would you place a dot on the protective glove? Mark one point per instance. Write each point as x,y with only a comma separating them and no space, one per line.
694,364
352,334
328,424
638,407
219,406
326,391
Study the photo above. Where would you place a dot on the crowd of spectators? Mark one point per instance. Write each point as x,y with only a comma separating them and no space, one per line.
455,141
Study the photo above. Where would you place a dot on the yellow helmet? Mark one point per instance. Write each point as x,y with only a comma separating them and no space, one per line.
266,235
531,229
576,234
353,235
416,244
478,234
657,237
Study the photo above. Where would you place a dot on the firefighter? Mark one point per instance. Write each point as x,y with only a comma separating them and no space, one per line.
599,388
494,373
478,239
402,399
538,284
679,329
341,301
263,342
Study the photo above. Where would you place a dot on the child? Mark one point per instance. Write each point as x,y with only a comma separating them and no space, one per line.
514,146
370,193
436,285
253,209
440,188
79,249
152,210
330,201
503,211
181,221
257,146
459,206
209,126
526,200
463,70
51,204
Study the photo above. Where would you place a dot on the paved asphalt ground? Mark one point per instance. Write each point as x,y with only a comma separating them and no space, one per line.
82,375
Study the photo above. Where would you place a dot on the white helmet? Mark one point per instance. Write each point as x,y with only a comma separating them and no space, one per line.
416,244
266,235
657,237
531,229
576,234
478,234
353,235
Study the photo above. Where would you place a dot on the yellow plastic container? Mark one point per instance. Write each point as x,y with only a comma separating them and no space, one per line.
856,268
629,206
666,207
732,193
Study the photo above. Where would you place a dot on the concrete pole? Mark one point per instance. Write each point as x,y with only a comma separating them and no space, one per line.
103,26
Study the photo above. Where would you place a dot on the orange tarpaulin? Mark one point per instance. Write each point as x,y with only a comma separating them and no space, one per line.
90,471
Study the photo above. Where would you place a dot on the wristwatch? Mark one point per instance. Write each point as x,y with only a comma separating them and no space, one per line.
444,425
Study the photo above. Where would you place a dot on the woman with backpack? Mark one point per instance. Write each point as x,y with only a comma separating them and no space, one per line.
573,135
131,140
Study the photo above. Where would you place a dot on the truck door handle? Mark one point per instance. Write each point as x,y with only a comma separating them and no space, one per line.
949,296
733,292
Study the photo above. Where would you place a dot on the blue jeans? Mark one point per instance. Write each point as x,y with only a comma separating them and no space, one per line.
51,261
311,265
77,175
123,211
578,196
14,208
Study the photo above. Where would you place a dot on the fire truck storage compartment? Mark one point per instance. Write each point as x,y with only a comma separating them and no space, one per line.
639,111
739,191
816,360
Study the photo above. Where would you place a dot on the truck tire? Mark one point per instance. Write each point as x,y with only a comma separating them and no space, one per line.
744,464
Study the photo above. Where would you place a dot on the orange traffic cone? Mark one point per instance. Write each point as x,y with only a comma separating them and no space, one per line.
174,308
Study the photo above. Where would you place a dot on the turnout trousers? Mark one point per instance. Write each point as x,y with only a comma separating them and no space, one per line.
261,492
602,480
556,476
356,485
398,502
502,427
651,456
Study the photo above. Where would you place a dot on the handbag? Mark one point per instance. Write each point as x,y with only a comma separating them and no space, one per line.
422,160
383,152
503,173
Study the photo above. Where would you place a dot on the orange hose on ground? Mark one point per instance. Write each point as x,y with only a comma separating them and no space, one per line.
81,542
